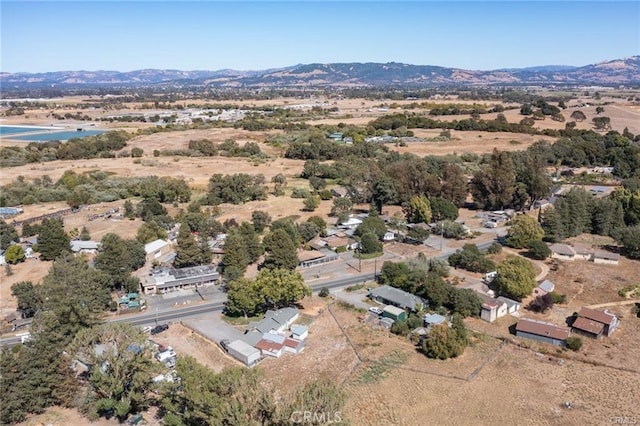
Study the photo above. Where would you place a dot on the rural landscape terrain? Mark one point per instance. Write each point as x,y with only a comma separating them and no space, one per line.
321,244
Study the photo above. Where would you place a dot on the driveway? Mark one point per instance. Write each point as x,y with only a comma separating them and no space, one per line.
213,328
356,298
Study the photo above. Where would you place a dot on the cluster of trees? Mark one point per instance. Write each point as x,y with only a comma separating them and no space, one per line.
271,289
578,211
425,278
516,277
92,187
236,189
471,259
100,146
446,342
228,148
191,251
242,247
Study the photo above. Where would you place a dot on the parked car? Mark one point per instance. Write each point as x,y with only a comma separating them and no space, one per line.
375,310
147,329
159,328
224,344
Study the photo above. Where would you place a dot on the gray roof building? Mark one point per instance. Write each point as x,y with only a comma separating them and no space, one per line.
395,296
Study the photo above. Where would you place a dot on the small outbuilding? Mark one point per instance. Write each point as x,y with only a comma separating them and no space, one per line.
243,352
542,332
606,258
394,313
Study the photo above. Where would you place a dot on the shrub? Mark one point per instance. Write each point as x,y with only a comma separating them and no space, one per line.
574,343
324,292
300,193
558,298
494,248
539,250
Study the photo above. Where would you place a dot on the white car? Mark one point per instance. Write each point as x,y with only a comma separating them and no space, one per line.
375,310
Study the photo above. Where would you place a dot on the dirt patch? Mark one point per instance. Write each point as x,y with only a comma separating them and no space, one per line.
30,270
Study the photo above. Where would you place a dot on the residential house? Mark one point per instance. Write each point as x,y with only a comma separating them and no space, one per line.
157,249
351,223
606,318
337,136
89,247
583,251
308,258
429,320
542,331
276,321
243,352
562,252
492,310
339,244
542,204
389,236
588,327
605,257
396,297
544,287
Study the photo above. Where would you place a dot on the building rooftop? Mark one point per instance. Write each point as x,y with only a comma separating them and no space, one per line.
433,319
155,245
242,347
562,249
393,310
397,296
78,245
602,317
547,286
588,325
600,254
544,329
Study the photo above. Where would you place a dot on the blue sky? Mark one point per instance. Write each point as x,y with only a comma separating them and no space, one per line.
211,35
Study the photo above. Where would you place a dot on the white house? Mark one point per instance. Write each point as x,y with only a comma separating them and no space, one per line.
78,246
492,310
512,306
299,332
562,252
244,352
605,257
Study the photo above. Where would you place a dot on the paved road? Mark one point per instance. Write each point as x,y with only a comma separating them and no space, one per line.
169,313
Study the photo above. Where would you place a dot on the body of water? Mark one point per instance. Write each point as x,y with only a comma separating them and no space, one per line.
57,136
10,130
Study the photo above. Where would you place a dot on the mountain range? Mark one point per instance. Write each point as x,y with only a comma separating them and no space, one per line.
614,72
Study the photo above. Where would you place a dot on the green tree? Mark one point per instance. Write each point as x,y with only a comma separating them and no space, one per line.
443,343
14,254
471,259
574,212
188,251
84,234
384,192
524,229
454,187
311,203
236,258
137,152
150,231
442,209
574,343
28,296
236,396
8,234
465,302
493,186
122,371
371,224
418,209
129,211
251,241
52,240
320,223
260,219
601,123
629,237
370,244
607,214
308,231
281,250
539,250
550,223
515,278
341,205
578,115
119,257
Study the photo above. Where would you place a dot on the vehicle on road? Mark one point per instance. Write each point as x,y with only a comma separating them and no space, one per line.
159,328
147,329
375,310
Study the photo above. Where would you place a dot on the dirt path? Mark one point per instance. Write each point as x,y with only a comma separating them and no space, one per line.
620,303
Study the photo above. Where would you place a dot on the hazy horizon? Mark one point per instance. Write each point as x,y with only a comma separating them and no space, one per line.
124,36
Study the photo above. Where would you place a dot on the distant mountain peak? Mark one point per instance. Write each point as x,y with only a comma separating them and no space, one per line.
367,74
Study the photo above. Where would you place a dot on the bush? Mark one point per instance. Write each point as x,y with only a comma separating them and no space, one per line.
401,328
300,193
324,292
558,298
574,343
494,248
539,250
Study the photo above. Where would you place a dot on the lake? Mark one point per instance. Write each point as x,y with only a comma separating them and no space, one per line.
45,134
